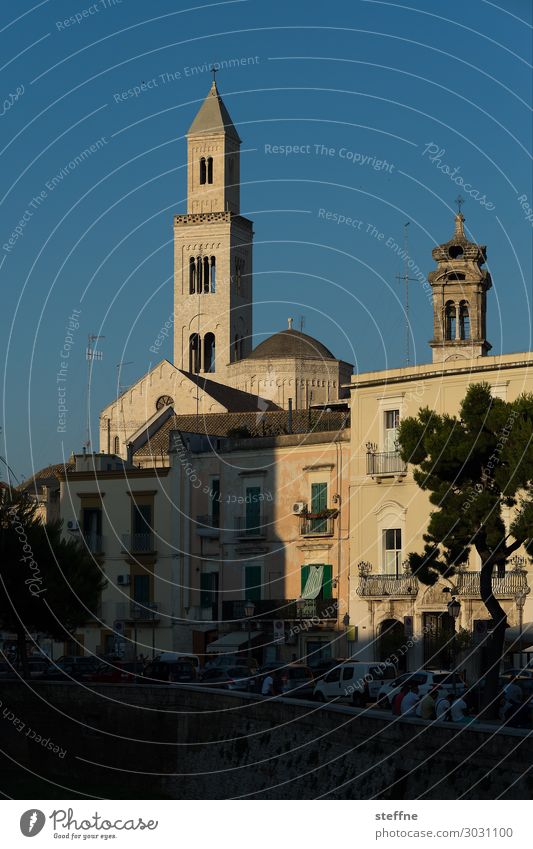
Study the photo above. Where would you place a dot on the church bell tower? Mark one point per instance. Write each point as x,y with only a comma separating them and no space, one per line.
212,250
460,286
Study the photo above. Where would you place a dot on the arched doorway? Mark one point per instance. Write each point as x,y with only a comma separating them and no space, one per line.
391,637
439,630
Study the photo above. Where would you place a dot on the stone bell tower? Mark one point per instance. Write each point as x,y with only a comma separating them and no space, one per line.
460,286
212,250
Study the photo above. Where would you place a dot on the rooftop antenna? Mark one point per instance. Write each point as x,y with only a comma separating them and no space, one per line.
91,355
302,323
405,279
120,386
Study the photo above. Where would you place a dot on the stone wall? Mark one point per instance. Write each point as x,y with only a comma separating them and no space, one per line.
182,743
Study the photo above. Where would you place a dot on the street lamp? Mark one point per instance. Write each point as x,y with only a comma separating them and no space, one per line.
249,610
454,609
520,599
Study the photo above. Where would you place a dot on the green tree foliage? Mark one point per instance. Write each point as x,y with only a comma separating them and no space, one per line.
47,584
474,466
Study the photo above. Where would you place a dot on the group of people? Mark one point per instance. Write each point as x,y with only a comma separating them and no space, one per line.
435,704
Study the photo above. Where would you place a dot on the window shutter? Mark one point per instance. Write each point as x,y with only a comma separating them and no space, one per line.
319,497
252,583
304,574
326,584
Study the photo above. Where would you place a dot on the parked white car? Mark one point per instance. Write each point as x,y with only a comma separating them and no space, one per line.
425,680
355,681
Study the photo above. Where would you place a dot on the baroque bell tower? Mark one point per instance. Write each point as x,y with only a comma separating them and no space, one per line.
212,250
460,286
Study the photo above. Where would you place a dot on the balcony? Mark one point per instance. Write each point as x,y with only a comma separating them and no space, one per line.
311,526
94,542
138,611
287,609
376,586
138,543
247,528
208,526
383,464
507,586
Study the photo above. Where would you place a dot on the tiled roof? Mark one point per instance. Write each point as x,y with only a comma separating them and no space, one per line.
49,476
273,423
234,400
213,117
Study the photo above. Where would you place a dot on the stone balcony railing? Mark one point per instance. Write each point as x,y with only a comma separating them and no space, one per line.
467,583
387,585
507,586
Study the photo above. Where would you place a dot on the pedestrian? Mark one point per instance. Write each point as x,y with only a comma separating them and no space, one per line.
442,706
267,688
398,699
459,710
427,705
410,701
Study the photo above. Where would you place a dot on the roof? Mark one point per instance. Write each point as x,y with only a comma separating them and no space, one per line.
291,343
48,476
273,423
213,117
232,399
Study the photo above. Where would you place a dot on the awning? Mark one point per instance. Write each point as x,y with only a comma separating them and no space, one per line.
520,636
313,585
228,643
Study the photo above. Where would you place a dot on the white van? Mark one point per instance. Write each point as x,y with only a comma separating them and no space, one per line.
176,656
355,681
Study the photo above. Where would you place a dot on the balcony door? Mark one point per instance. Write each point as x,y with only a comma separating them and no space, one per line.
209,593
253,583
253,509
319,503
390,432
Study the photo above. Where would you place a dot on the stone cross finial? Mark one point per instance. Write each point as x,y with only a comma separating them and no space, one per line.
290,320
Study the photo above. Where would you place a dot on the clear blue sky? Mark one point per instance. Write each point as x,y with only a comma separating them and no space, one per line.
376,81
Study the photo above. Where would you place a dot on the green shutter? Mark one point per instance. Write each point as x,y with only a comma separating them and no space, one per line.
253,508
319,497
326,583
252,583
304,574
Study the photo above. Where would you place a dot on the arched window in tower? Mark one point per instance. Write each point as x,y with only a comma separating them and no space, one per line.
209,169
449,320
192,275
455,252
199,274
206,273
116,445
464,320
194,353
209,352
213,274
203,171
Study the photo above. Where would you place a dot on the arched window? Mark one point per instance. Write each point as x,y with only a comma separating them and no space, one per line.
209,169
116,445
206,273
449,320
455,252
464,320
209,352
194,353
203,171
192,275
199,274
213,274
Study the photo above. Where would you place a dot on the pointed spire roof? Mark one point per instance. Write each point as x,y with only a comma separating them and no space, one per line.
213,117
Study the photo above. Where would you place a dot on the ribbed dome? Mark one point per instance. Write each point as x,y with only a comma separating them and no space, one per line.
291,343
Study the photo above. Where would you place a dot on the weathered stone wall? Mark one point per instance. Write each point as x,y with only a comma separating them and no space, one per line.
182,743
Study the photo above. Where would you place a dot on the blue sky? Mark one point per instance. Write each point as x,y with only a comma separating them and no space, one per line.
367,92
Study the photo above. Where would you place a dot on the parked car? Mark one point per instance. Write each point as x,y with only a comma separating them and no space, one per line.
227,660
167,656
355,681
295,679
425,680
321,666
115,672
227,678
69,671
169,672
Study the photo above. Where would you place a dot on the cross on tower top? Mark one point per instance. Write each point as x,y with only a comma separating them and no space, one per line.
214,70
459,200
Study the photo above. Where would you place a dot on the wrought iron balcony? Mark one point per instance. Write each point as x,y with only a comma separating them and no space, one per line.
133,611
385,463
138,543
506,586
208,526
251,528
286,609
315,527
387,585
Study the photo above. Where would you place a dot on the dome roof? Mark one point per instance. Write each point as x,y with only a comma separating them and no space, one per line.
293,344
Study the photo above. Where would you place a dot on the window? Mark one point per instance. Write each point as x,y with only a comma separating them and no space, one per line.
91,523
392,423
348,673
192,275
213,274
392,551
203,171
464,321
319,503
116,445
141,528
205,263
325,590
194,353
199,275
209,591
209,352
252,583
253,509
215,502
141,589
334,675
209,169
449,320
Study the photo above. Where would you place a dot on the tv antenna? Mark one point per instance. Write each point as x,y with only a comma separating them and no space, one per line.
302,323
91,355
405,279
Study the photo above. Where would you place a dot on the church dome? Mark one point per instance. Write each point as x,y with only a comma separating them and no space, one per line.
291,344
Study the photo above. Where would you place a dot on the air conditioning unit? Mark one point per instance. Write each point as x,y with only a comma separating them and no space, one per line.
73,526
123,580
299,508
